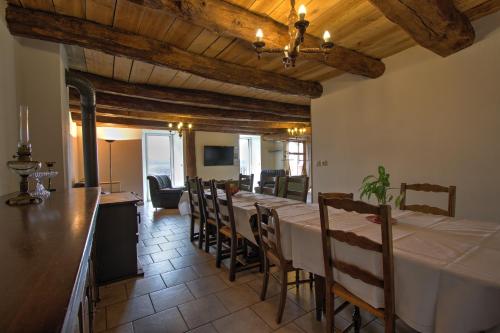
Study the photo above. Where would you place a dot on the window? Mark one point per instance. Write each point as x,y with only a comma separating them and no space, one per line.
296,158
250,159
163,155
245,155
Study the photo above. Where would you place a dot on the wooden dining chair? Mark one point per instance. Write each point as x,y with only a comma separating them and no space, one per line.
334,288
210,232
451,190
270,241
245,182
275,189
195,193
230,243
296,187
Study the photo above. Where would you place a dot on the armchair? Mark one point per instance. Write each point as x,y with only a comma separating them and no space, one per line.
162,193
267,179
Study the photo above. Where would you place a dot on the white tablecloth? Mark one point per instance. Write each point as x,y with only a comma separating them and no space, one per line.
447,271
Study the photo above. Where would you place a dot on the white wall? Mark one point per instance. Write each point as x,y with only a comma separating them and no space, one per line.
216,139
8,105
427,119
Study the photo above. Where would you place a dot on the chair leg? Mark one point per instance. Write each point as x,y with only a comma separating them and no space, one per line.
218,254
232,266
356,319
284,289
200,234
311,280
297,278
265,280
208,232
330,308
191,230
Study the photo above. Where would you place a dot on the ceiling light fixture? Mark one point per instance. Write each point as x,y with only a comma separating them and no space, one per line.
297,26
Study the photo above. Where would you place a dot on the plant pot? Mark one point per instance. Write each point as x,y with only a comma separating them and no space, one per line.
376,219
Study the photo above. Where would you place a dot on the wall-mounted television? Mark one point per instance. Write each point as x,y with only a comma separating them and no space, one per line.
218,155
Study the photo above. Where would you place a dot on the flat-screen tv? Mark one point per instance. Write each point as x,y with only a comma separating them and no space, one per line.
218,155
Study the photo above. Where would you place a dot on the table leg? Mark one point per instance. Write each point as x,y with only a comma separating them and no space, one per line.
319,293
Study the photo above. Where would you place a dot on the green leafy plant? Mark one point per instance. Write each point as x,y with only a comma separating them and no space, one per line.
379,187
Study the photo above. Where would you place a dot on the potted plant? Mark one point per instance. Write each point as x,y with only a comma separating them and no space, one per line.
379,187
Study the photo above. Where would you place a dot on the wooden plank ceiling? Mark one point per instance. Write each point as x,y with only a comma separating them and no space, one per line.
353,24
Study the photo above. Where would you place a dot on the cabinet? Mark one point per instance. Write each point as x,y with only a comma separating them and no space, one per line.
116,237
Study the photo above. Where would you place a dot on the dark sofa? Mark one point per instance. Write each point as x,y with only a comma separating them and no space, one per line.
162,193
267,179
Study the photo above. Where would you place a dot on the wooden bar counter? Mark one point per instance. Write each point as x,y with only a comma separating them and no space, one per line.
45,263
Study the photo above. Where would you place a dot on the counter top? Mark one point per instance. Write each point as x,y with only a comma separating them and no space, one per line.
43,249
118,198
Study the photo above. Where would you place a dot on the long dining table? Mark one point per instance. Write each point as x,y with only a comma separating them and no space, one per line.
446,270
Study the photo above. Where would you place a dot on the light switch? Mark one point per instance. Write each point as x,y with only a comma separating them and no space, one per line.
318,164
324,163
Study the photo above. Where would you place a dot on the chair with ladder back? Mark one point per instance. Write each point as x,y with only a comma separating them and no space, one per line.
245,182
230,243
195,193
270,241
331,263
451,190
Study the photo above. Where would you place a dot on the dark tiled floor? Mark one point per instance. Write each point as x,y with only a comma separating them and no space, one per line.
183,291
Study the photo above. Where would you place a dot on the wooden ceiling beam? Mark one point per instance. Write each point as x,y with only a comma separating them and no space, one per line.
483,9
74,31
434,24
151,124
121,102
196,97
228,19
192,120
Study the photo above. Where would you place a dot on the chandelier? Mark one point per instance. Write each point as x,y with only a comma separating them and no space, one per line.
179,128
297,25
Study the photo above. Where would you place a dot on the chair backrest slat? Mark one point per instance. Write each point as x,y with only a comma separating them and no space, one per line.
355,240
358,273
451,190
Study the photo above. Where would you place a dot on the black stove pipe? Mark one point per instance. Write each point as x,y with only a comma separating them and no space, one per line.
88,106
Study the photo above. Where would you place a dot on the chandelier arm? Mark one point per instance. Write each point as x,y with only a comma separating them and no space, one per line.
313,50
271,50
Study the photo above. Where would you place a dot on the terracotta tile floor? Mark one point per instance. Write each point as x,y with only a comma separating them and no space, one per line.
183,291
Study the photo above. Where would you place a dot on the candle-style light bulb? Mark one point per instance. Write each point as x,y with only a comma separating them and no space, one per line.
170,125
302,12
259,35
190,126
24,136
326,36
287,47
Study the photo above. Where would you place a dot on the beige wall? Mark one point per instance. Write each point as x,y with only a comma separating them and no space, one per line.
126,164
40,73
126,158
427,119
216,139
32,73
8,105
